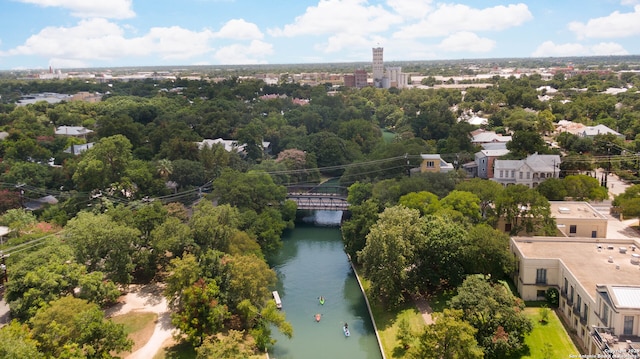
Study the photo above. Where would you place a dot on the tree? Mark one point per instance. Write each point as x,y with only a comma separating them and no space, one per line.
16,341
423,201
359,192
103,165
250,280
200,312
526,142
214,226
525,209
389,252
486,190
497,315
553,189
487,252
171,239
69,320
438,258
468,204
356,228
450,337
629,201
230,346
583,187
103,244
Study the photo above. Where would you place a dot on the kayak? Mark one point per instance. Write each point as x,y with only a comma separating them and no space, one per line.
346,331
318,316
321,300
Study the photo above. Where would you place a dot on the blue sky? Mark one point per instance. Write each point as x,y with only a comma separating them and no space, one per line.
108,33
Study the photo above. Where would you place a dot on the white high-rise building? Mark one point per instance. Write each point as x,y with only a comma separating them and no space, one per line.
378,66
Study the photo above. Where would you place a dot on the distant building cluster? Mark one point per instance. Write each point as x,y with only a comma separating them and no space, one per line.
392,77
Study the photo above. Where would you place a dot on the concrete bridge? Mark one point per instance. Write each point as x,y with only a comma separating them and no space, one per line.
319,198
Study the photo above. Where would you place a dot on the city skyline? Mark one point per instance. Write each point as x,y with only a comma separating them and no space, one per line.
37,34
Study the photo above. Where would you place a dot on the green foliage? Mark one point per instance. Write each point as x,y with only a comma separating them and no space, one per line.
525,209
544,312
213,226
230,346
487,192
583,187
250,279
16,342
487,252
389,251
629,201
423,201
468,204
553,189
18,219
103,245
495,313
71,321
449,337
104,165
553,297
200,312
356,228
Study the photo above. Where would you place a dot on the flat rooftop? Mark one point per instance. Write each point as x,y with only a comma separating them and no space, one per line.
571,209
589,264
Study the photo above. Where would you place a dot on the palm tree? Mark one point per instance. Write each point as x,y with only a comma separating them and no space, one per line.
164,168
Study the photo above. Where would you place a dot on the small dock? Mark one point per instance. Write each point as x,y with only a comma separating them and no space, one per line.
276,297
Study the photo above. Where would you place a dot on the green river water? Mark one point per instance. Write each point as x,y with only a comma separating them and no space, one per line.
312,263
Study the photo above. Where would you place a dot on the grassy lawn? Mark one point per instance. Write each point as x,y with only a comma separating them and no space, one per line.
387,323
139,326
552,332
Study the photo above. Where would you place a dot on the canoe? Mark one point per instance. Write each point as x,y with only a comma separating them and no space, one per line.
346,331
318,316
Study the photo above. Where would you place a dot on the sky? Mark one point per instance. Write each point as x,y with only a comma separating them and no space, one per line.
38,34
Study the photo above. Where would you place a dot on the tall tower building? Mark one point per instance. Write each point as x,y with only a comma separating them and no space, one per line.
378,66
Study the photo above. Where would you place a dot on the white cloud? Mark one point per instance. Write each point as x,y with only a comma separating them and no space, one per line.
254,53
608,48
67,63
451,18
414,9
354,17
630,2
614,25
99,39
239,29
549,48
115,9
466,41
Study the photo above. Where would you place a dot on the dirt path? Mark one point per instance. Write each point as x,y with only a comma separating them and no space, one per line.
424,308
147,298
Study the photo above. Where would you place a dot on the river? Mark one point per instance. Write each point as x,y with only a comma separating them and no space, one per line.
312,263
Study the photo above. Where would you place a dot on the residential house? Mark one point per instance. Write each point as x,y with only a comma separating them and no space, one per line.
231,145
78,149
598,283
434,163
592,131
529,172
485,160
481,136
73,131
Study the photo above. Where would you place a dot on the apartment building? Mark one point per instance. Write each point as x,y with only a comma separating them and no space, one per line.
599,285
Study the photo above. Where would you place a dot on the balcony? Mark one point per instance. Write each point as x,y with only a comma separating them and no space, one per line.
576,310
583,319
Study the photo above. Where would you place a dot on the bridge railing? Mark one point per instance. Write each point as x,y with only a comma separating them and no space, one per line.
318,190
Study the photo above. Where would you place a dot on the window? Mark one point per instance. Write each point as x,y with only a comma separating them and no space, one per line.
541,276
594,234
540,293
513,174
520,175
573,229
507,227
431,164
528,175
566,286
605,315
571,295
578,304
501,173
628,325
